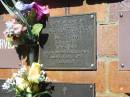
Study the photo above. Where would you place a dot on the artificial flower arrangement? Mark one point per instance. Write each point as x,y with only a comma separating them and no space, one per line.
23,30
27,22
32,83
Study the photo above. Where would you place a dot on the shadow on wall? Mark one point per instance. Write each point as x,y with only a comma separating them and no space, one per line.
66,3
72,3
128,94
90,2
2,9
63,3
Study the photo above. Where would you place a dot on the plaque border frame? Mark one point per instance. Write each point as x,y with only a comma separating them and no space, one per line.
93,66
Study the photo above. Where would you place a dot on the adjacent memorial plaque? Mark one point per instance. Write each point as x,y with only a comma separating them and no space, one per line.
73,90
61,90
71,42
8,56
124,38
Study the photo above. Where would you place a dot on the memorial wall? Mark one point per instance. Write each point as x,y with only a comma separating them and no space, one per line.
85,48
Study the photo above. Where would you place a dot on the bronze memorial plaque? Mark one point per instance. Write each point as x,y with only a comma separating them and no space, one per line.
61,90
71,42
124,38
73,90
8,56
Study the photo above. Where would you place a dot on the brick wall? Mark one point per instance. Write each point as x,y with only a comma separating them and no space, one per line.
110,82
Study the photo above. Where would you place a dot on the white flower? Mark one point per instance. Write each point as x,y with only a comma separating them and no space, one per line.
41,65
47,79
43,72
18,29
9,24
21,83
8,83
40,79
5,86
22,70
21,6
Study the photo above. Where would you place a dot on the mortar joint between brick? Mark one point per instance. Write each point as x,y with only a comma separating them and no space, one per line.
110,94
108,58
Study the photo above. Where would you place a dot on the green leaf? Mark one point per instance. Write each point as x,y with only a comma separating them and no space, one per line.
36,29
14,2
31,17
43,93
19,14
29,95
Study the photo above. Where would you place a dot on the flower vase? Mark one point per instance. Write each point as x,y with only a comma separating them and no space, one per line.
33,53
28,53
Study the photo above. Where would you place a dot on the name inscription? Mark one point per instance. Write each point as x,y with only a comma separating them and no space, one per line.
5,45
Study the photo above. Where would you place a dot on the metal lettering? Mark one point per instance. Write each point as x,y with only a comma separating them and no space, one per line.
5,45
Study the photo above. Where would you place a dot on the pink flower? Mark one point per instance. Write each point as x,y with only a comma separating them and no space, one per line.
15,30
6,33
41,11
18,29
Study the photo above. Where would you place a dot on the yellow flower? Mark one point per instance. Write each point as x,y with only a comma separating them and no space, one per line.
33,89
34,72
21,83
29,90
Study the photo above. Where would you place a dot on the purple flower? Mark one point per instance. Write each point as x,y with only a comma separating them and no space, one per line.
22,7
40,11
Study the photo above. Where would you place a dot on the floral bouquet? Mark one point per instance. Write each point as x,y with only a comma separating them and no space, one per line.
32,83
27,22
